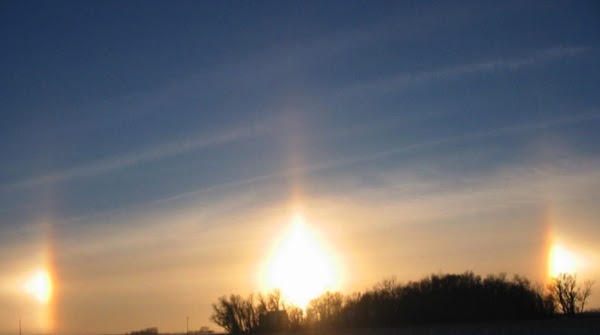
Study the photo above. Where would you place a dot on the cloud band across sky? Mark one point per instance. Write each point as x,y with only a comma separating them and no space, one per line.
162,151
494,66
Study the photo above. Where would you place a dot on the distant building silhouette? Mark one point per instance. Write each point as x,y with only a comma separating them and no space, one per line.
274,321
147,331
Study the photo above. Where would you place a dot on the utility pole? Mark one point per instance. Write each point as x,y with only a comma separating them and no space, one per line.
187,325
19,326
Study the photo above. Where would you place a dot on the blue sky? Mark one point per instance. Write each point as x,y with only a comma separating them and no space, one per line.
412,121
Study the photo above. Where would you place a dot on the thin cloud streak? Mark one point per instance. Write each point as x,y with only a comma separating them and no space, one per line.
515,129
336,163
150,154
342,162
492,66
397,82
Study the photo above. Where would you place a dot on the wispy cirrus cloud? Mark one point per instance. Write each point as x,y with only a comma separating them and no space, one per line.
398,81
164,150
338,163
498,65
449,140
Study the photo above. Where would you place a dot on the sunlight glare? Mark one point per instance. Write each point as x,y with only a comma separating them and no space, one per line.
561,260
39,286
300,267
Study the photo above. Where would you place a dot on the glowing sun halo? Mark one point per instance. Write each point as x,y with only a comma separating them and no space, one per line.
300,267
39,286
561,260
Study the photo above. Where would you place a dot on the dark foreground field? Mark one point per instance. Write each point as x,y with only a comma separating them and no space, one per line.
550,327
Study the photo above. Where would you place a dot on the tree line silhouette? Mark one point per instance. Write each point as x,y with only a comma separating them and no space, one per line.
438,298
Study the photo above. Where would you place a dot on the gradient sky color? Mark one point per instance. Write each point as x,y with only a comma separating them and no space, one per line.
153,152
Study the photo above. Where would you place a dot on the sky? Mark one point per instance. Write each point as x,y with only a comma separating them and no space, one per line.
157,155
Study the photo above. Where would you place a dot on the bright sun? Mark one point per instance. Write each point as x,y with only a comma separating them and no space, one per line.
39,286
300,267
561,260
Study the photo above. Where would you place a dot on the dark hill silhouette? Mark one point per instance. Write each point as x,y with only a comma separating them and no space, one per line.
438,298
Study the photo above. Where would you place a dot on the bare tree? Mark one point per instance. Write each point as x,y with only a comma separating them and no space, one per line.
272,302
239,315
387,288
235,314
586,291
326,310
568,294
296,317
